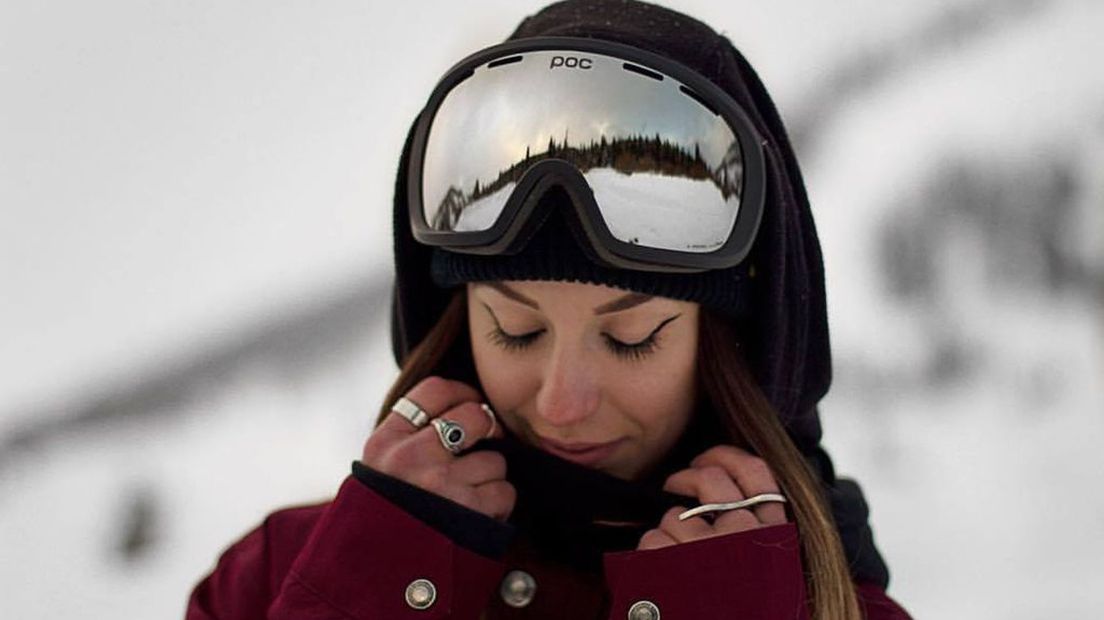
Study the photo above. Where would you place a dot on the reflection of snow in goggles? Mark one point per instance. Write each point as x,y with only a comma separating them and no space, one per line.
664,168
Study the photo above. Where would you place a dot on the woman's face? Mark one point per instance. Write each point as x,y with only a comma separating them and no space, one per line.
595,375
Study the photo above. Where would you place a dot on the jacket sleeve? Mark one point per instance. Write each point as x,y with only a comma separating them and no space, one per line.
750,574
356,563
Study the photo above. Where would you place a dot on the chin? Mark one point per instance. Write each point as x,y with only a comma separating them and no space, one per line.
624,471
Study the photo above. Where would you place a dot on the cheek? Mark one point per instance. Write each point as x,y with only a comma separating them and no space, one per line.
660,405
505,380
661,401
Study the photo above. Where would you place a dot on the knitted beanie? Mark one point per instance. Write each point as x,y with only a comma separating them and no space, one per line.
560,250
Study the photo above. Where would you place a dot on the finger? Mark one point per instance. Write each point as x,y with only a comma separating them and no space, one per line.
496,499
404,456
471,419
435,395
478,467
770,513
751,474
655,539
694,528
732,521
712,485
709,484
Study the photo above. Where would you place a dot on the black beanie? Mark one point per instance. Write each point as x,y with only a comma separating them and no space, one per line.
559,250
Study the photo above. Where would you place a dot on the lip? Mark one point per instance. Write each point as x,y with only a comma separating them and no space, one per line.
582,453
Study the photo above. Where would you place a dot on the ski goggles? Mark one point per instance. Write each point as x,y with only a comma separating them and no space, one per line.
664,169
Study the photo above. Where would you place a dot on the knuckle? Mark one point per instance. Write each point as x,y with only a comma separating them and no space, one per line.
652,539
387,462
404,455
496,463
373,451
713,454
502,489
681,477
431,478
432,383
470,408
470,416
773,514
714,473
499,497
671,516
509,494
437,384
757,469
721,450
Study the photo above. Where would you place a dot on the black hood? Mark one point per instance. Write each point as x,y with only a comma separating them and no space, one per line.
786,336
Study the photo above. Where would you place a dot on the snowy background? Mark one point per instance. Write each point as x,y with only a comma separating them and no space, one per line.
195,263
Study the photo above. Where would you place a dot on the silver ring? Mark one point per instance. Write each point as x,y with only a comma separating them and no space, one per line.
450,433
410,410
762,498
490,414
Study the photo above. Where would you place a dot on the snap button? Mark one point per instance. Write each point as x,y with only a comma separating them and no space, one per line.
644,610
421,593
518,588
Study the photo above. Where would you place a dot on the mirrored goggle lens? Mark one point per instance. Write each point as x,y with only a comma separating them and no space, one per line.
666,171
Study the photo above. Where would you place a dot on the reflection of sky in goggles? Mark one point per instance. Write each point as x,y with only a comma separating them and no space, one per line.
666,170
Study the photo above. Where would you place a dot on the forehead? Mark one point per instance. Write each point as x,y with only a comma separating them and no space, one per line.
602,299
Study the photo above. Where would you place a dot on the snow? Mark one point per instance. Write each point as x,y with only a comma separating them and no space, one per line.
481,214
620,196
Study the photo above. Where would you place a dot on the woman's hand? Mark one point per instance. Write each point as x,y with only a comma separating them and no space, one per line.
476,480
720,474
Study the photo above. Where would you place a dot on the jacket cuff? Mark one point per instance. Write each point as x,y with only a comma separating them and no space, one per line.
364,552
750,574
470,529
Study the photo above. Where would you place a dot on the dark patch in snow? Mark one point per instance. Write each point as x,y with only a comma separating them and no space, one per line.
1020,218
869,69
325,329
951,361
139,526
979,228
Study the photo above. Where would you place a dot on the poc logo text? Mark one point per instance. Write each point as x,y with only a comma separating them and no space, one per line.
571,62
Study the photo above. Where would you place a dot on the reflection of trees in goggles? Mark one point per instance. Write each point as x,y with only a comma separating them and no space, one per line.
626,155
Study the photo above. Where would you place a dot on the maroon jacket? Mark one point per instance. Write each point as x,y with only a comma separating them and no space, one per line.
353,559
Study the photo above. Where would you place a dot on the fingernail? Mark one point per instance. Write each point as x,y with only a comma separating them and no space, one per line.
487,408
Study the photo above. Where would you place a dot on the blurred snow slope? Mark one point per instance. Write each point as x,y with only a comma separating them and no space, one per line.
195,246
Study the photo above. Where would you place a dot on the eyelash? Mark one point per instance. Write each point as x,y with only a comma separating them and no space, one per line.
631,352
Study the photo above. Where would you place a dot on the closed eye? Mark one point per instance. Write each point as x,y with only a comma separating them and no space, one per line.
638,350
511,342
629,351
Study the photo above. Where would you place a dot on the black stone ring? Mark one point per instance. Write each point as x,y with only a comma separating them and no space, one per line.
450,433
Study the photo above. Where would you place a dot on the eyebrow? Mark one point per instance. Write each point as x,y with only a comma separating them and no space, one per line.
621,303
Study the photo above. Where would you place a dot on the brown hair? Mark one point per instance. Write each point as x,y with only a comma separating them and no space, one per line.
752,423
743,412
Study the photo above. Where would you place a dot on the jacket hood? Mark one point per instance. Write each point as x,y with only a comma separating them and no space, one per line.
785,339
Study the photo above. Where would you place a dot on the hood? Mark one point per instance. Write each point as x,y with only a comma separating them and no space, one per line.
786,336
787,331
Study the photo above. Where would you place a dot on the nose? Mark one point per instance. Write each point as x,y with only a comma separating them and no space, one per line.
569,392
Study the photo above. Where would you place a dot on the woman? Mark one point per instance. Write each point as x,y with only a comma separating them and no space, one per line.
607,398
